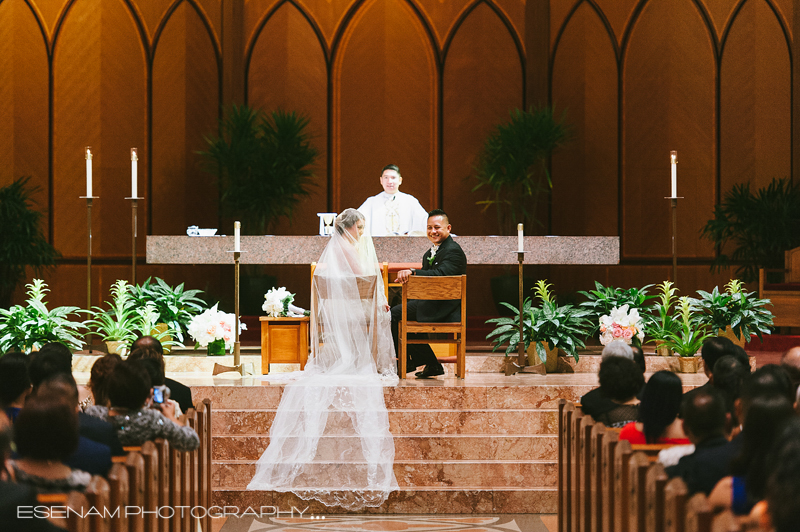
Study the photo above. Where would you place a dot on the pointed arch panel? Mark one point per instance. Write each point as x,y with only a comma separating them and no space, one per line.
585,86
288,71
185,104
668,104
384,97
482,83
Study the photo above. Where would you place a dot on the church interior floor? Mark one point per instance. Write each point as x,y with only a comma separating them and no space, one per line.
394,523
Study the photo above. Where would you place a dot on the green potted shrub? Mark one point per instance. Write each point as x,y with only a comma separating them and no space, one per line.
22,242
117,326
663,323
28,328
149,324
175,307
603,299
689,338
545,329
734,313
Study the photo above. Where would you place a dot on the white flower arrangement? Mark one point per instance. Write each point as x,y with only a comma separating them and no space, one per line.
621,325
213,325
277,302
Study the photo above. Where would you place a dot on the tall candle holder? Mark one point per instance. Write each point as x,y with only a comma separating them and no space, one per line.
134,231
673,201
89,260
521,365
238,367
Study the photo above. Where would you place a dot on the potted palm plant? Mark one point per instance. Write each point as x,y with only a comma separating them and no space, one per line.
117,326
734,313
545,329
663,323
689,337
27,328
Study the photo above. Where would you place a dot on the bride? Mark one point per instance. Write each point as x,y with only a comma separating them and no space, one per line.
330,438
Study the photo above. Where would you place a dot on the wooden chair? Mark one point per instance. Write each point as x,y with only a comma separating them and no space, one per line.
675,496
785,297
655,481
384,275
622,454
98,495
437,289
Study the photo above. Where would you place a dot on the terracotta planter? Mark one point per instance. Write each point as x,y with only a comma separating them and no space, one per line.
551,363
729,334
120,348
662,350
688,364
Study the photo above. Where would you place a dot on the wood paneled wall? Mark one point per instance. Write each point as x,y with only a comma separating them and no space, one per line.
416,82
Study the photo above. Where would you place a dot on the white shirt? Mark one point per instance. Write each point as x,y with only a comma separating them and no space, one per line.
394,214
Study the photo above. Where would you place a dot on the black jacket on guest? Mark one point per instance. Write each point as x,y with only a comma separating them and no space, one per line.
707,465
180,393
100,431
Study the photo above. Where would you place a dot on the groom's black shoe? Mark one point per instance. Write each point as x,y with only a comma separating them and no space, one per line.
429,372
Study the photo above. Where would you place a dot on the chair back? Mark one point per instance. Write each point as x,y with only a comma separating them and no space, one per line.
437,288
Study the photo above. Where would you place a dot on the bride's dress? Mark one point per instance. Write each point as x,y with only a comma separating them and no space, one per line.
330,438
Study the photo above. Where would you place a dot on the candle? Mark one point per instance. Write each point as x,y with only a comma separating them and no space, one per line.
134,172
673,159
88,171
236,229
519,238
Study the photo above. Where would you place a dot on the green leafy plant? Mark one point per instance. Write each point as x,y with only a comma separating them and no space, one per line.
757,227
174,306
146,326
22,242
663,322
264,165
512,166
741,310
691,334
25,328
603,299
121,321
559,326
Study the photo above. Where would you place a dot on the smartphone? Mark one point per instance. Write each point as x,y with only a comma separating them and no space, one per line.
160,394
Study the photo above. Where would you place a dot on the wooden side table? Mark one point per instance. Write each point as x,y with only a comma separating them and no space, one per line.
284,341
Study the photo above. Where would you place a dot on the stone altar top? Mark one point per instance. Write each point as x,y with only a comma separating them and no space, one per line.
307,249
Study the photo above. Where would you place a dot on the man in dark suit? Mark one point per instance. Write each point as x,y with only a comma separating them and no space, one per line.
444,258
150,347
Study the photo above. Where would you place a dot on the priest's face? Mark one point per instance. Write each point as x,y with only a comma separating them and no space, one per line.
438,229
391,180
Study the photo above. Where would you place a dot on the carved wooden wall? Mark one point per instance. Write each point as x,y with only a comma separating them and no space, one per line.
415,82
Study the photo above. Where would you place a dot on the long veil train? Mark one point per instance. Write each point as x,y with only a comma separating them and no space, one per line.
330,438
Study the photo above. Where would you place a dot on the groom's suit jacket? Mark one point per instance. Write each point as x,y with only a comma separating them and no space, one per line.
449,260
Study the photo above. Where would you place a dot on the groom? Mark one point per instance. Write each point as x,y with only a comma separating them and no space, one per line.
444,258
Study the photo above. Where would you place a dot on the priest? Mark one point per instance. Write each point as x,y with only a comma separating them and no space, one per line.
392,212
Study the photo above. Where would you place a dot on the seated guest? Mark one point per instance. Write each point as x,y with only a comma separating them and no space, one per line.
791,363
101,370
149,347
130,393
393,212
620,381
769,379
766,417
783,480
51,359
91,456
713,349
705,423
595,402
46,435
15,384
638,357
729,374
156,373
658,412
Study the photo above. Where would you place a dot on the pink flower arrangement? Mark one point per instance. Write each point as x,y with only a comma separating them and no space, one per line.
621,325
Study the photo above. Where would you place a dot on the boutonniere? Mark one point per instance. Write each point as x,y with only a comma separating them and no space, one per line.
433,255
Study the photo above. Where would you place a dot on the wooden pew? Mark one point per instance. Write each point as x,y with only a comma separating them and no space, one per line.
651,449
585,476
622,454
655,482
118,497
193,463
176,489
698,514
675,497
610,441
596,470
164,468
98,497
575,448
135,466
637,476
152,500
566,411
204,459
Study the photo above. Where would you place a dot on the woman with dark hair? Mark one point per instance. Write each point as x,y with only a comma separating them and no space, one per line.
46,435
764,421
101,370
15,383
620,381
658,412
130,392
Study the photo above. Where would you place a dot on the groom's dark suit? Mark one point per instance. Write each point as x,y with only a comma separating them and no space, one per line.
449,260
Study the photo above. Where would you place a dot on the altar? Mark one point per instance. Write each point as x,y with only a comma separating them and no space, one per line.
165,249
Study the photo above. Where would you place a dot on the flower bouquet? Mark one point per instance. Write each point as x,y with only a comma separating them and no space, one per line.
622,325
278,304
214,329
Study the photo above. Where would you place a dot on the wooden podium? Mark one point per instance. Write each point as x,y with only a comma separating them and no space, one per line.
284,341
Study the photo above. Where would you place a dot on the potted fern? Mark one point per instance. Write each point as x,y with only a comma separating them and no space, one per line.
117,326
689,337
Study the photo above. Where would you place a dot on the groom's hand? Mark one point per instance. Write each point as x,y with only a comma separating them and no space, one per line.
403,275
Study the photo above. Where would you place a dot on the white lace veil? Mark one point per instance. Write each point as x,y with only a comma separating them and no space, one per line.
330,438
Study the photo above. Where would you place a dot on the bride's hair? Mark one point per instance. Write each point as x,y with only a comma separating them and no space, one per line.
347,219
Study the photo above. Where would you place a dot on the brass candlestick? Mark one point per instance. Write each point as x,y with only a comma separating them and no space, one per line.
237,357
89,261
134,231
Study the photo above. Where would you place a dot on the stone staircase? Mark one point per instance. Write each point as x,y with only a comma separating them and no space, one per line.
460,446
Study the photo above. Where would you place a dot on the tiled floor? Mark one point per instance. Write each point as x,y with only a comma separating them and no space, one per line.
394,523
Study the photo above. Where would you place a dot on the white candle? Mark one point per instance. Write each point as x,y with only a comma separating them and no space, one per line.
134,172
236,229
673,159
88,171
519,238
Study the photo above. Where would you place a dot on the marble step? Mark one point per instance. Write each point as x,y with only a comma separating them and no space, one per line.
410,396
428,421
418,447
464,474
405,501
